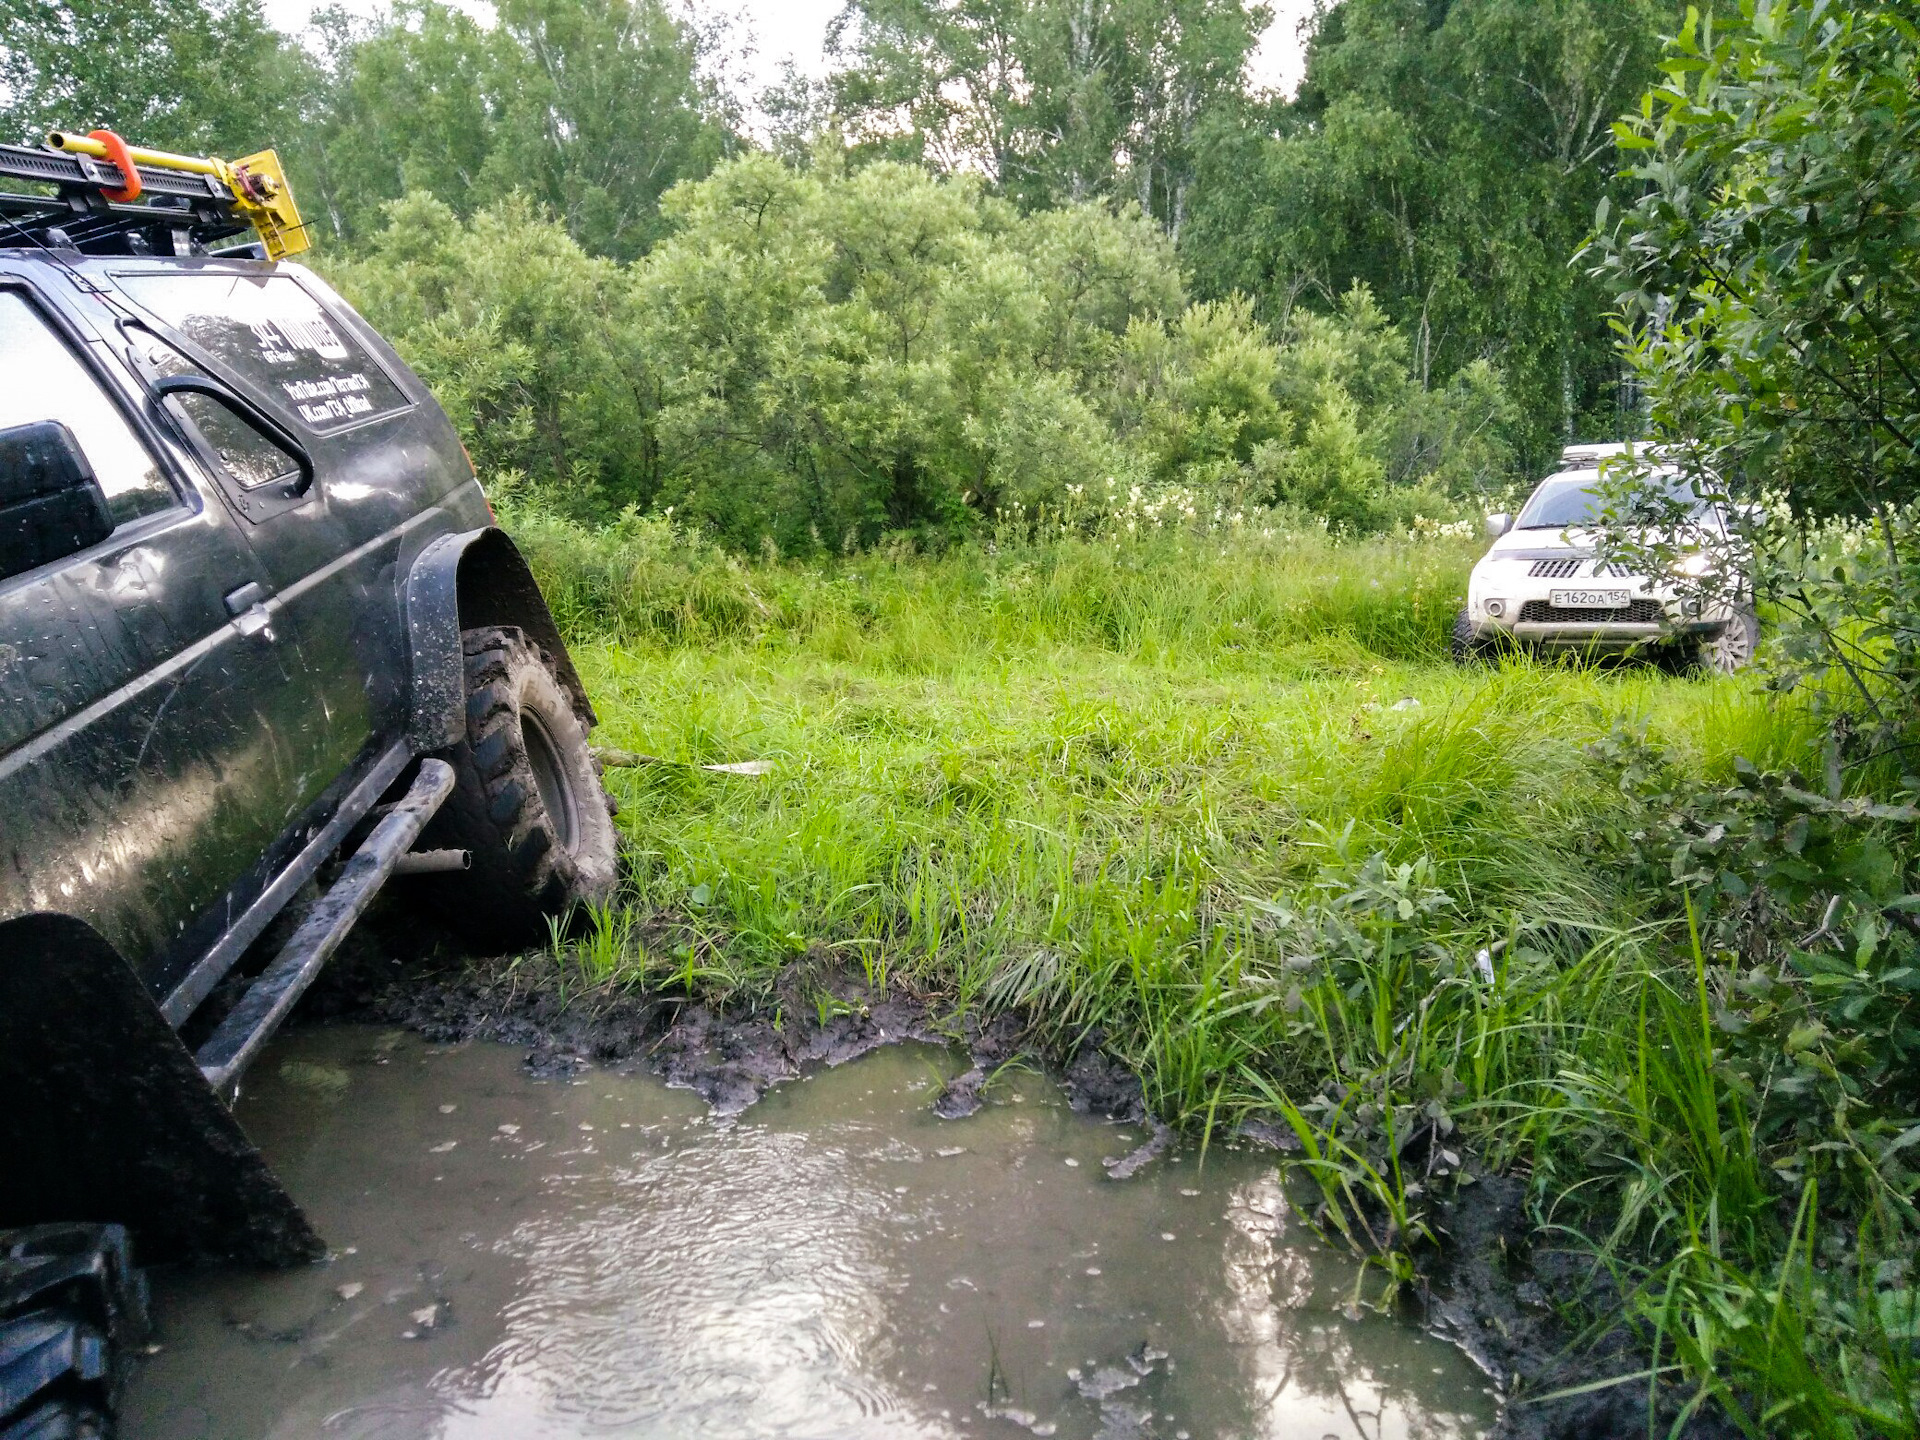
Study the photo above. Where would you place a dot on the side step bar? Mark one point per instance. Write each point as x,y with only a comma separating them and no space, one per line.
212,967
232,1047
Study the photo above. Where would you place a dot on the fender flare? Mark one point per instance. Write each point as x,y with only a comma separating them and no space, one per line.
108,1119
476,577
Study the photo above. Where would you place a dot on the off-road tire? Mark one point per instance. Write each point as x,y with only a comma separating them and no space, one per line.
1465,648
1732,649
527,801
72,1311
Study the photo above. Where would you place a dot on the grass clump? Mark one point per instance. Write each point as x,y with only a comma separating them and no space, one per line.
1214,796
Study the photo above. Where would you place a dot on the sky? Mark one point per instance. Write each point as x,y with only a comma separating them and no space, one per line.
795,29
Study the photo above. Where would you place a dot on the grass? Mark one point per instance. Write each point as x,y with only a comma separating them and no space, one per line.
1219,800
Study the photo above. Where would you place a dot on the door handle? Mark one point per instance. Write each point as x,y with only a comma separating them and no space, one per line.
248,607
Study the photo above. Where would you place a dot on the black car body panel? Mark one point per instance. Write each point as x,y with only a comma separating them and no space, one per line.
185,703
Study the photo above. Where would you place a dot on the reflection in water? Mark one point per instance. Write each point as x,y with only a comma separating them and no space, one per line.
517,1258
1298,1353
743,1289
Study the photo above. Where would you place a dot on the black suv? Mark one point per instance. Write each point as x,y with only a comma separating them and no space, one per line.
261,648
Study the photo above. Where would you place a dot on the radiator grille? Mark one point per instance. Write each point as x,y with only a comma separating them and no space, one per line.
1553,569
1640,612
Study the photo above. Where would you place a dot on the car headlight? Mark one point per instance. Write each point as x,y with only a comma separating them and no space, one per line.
1694,565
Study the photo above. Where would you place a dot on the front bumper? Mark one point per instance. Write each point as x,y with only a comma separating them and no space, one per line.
1604,635
1526,613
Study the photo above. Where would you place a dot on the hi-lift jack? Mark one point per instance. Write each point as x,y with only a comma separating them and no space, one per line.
112,198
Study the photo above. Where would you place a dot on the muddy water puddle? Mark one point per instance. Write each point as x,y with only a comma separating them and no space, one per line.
515,1257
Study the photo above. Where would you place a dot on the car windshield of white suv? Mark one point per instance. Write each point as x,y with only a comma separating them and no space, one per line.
1569,501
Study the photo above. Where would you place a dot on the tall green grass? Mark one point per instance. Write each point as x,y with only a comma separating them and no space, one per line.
643,582
1219,800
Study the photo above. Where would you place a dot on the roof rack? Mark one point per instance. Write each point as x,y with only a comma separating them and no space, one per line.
1593,454
1588,452
111,198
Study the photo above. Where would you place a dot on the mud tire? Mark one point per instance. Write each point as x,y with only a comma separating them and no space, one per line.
72,1309
527,800
1462,645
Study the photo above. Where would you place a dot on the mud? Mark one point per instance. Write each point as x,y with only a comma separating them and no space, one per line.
819,1016
587,1253
1486,1290
1498,1294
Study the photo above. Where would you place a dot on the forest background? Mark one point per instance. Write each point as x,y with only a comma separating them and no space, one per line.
1110,260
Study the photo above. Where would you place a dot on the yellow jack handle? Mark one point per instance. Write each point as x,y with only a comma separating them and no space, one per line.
257,182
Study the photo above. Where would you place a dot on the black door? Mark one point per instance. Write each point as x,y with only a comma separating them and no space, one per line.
332,549
145,762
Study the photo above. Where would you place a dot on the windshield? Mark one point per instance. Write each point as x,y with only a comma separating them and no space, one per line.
1569,501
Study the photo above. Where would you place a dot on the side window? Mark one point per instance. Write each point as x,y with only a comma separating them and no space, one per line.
42,380
251,458
268,330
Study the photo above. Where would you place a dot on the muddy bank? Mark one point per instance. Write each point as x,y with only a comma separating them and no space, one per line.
819,1015
1493,1290
1488,1289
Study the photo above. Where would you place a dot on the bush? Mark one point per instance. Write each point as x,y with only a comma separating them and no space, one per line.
521,335
818,360
845,356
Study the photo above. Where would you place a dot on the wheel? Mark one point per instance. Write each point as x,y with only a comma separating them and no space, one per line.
71,1309
527,802
1463,645
1732,649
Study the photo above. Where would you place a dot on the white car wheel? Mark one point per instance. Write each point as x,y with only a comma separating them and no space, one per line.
1732,649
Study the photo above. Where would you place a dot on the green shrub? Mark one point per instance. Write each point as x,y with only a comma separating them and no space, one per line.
820,360
521,335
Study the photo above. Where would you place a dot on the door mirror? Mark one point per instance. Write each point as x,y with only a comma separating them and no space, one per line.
1498,524
51,504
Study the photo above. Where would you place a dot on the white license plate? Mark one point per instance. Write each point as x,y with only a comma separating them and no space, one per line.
1590,599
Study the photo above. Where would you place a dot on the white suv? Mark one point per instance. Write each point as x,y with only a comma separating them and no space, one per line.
1541,585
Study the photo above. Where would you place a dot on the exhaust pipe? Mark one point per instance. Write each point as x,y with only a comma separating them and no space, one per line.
433,862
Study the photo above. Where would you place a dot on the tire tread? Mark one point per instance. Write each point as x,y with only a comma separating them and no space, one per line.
521,877
73,1287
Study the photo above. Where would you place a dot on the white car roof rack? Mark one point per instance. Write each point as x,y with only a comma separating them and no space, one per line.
1590,453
